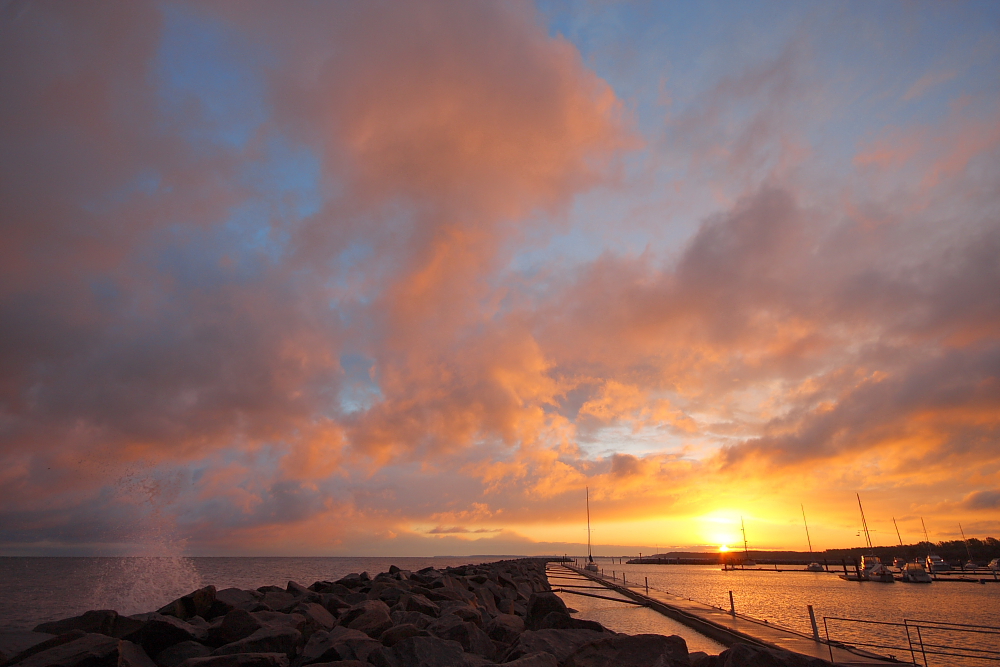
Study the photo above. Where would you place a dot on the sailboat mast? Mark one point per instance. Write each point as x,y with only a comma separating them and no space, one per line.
897,532
864,523
966,541
590,555
808,539
746,548
926,537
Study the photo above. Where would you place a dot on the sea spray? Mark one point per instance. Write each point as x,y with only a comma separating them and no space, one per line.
155,570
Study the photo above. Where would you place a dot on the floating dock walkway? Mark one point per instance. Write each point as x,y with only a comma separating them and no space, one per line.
722,626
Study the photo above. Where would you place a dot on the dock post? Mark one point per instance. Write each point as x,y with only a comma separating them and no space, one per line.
812,619
623,578
647,585
732,606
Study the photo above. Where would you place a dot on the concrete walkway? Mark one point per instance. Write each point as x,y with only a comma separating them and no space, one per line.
725,628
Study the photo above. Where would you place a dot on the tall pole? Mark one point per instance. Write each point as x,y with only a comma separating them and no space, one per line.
808,539
966,541
746,548
590,555
864,523
926,537
897,532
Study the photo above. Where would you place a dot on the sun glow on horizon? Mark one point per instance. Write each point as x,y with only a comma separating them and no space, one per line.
723,549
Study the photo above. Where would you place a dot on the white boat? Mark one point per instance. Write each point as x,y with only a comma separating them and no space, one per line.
872,569
899,563
914,573
994,564
935,563
591,565
814,567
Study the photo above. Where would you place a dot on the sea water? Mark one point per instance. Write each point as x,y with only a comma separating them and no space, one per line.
36,590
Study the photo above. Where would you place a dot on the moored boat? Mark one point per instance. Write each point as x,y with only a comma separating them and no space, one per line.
914,573
935,563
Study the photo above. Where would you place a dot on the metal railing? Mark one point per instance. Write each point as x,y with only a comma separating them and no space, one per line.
970,644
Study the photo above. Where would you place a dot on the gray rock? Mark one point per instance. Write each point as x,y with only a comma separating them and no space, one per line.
540,605
702,659
279,600
58,640
369,616
239,660
632,651
316,617
463,610
557,620
157,632
235,625
132,655
17,641
101,621
297,589
505,628
196,603
338,644
234,598
398,633
91,650
745,655
178,653
268,639
420,603
414,617
420,652
539,659
560,643
471,637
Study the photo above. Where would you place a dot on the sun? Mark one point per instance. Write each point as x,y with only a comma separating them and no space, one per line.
723,549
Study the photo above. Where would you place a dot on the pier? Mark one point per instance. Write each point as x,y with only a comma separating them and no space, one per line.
727,628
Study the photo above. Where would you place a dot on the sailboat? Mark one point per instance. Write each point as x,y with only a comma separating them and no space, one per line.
872,568
898,562
591,565
747,561
813,566
934,562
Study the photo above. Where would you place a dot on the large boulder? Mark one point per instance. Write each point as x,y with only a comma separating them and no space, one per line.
339,644
417,602
471,637
398,633
58,640
268,639
235,625
132,655
18,641
101,621
234,598
557,620
746,655
505,628
541,605
421,652
414,617
178,653
239,660
279,600
316,618
196,603
368,616
560,643
90,650
539,659
156,632
632,651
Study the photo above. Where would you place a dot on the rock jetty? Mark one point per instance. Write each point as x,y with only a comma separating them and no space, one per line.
471,616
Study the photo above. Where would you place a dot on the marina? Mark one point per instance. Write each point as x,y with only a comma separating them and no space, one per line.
876,633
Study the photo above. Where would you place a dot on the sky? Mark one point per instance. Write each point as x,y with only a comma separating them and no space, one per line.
384,278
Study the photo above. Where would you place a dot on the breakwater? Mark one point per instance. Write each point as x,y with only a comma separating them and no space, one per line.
474,615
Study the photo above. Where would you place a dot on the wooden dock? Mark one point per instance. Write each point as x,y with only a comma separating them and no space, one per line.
727,628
